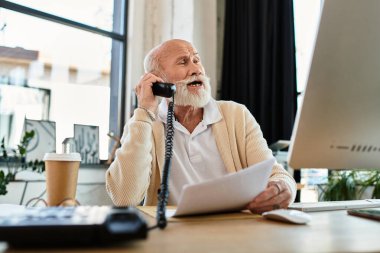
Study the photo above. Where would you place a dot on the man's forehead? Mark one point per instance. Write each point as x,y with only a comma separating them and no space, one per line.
176,50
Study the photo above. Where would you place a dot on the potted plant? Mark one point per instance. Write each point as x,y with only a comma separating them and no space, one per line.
370,180
350,185
15,161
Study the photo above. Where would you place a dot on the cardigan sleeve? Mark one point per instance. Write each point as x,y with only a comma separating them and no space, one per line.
257,150
128,177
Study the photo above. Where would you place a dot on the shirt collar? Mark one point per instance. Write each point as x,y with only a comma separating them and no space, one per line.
211,113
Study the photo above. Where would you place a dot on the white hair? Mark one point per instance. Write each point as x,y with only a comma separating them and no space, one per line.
151,61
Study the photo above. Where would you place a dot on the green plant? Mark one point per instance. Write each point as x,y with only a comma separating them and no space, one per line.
373,179
350,185
16,161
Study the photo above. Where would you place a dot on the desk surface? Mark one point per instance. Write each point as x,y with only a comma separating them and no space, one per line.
333,231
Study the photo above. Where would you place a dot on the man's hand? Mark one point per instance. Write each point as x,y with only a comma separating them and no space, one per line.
144,92
277,195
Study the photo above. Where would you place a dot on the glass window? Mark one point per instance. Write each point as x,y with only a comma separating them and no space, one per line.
54,72
96,13
306,18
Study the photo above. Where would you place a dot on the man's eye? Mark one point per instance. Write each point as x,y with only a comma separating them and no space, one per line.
182,62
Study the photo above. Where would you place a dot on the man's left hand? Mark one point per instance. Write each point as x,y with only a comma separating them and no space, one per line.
277,195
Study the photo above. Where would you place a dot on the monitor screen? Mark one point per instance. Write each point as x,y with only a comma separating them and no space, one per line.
338,123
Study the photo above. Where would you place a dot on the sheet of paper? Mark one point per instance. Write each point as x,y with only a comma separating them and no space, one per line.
230,192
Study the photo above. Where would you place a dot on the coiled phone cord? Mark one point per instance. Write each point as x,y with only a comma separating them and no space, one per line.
163,193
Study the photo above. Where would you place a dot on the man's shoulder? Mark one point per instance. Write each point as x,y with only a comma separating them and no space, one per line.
230,106
234,113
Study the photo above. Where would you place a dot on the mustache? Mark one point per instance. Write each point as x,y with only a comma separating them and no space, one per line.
202,78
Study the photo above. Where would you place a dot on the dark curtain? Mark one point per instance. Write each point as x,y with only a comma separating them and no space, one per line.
259,68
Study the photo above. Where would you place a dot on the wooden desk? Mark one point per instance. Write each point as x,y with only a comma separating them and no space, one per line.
333,231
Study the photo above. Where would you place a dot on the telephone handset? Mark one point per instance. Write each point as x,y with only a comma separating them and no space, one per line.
163,89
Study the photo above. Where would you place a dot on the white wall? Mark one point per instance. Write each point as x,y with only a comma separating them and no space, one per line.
153,21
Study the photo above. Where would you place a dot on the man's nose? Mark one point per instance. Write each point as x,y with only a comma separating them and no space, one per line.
195,70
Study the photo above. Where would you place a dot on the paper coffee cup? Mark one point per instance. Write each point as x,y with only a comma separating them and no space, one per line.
61,177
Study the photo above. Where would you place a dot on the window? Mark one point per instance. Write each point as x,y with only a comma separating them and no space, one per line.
64,62
306,18
96,13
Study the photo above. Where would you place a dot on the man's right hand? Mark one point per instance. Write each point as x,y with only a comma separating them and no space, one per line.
144,93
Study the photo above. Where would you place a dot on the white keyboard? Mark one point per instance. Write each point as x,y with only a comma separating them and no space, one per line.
335,205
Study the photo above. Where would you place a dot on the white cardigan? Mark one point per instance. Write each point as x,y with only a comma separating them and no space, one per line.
136,172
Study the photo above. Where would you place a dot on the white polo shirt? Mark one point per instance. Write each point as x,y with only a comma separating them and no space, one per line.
196,157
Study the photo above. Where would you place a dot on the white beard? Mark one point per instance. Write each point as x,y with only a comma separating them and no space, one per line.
183,97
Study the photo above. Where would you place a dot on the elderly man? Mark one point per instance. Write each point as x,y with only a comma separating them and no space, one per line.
212,138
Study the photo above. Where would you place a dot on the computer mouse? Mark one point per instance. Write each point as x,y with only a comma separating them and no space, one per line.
289,216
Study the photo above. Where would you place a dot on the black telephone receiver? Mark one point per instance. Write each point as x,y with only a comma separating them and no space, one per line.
163,89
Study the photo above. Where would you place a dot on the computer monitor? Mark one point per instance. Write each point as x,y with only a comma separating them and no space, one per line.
338,123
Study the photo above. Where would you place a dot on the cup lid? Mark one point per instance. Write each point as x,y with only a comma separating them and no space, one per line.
70,157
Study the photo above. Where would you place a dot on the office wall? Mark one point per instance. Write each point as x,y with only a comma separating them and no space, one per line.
154,21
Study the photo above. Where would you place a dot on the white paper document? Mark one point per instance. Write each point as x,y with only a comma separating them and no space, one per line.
230,192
